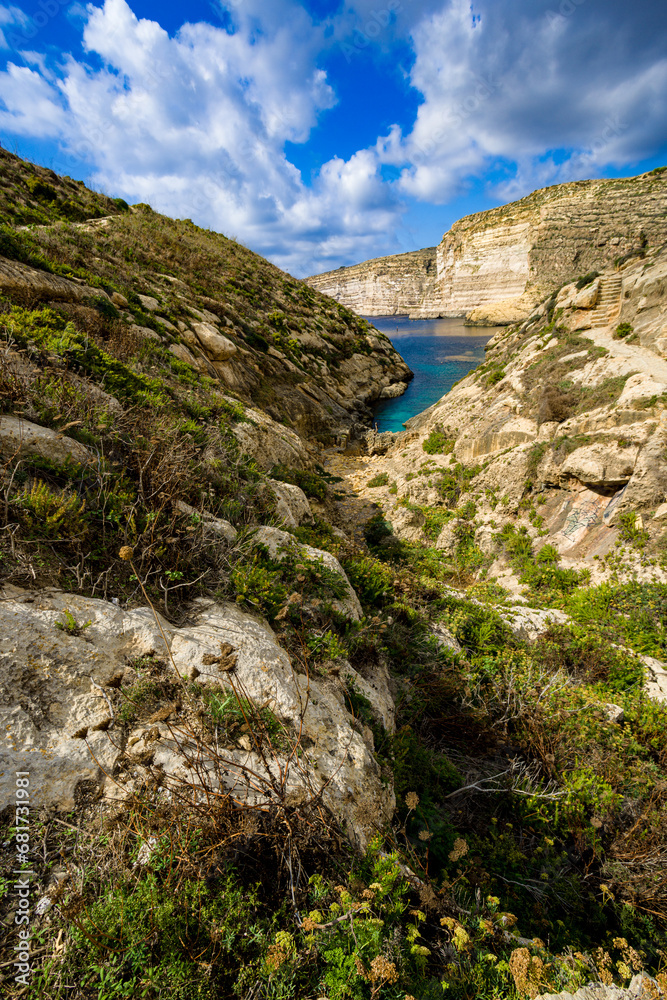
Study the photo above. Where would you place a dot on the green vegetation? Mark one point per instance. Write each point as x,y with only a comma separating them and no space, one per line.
523,811
437,443
587,279
382,479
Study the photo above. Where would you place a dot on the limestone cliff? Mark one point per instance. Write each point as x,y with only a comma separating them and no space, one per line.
495,266
389,286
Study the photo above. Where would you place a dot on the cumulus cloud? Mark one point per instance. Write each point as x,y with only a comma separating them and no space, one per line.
585,78
531,91
197,123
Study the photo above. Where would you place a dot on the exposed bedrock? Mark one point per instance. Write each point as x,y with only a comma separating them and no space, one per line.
494,266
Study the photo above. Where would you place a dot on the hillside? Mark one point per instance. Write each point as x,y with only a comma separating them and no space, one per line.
495,266
284,717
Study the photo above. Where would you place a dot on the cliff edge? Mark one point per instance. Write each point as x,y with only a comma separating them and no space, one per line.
494,267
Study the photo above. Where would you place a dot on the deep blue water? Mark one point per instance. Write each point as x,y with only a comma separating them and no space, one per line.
439,352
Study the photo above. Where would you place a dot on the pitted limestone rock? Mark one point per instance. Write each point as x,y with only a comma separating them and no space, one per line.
59,705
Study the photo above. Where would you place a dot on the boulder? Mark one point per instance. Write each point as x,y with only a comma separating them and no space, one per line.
447,541
15,277
529,624
181,352
588,297
212,525
61,697
641,987
614,713
280,543
217,347
407,524
149,303
269,442
144,332
445,639
292,507
119,300
393,391
21,439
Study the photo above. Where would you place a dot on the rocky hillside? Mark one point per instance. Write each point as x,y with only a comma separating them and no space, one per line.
495,266
562,433
171,293
404,284
272,729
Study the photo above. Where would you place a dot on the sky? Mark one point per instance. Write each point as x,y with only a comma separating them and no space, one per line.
327,132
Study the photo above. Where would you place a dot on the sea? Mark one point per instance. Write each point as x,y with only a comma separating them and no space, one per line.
439,351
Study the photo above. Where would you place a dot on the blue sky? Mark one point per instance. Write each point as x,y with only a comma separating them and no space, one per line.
326,132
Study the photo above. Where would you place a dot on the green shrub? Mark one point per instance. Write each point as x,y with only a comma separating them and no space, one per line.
587,279
376,530
437,443
382,479
40,189
51,513
313,484
372,581
623,330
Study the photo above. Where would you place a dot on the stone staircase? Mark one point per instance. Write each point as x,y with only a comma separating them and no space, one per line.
609,303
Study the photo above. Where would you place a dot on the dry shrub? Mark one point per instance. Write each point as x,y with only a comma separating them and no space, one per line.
529,972
555,405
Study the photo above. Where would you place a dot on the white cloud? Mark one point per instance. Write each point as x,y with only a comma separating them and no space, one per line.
524,81
196,125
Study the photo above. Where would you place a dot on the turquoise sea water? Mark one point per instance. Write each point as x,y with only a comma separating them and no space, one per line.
439,352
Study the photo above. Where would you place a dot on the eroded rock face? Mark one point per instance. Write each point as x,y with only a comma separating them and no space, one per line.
61,699
387,286
496,266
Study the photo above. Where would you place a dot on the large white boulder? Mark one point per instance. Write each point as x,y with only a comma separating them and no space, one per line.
217,347
61,697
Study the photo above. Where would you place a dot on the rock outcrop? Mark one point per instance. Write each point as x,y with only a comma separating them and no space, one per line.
63,692
495,266
571,412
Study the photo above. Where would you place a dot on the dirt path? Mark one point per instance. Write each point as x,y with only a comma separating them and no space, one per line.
641,358
351,510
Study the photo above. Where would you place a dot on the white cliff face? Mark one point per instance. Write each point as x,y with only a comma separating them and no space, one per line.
496,266
486,266
403,284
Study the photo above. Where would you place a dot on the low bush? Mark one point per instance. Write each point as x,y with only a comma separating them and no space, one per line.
437,443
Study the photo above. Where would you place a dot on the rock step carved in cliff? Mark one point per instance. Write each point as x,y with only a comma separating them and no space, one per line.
609,301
